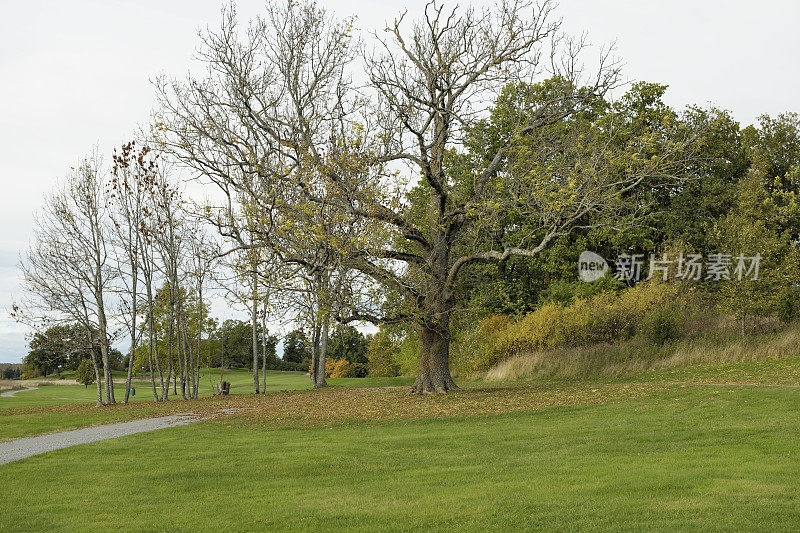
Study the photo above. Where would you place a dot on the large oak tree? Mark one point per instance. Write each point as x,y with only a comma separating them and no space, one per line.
279,119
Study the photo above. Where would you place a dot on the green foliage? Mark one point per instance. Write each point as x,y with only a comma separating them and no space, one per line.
408,355
295,347
566,292
789,305
348,343
85,373
382,354
10,371
755,226
58,348
357,370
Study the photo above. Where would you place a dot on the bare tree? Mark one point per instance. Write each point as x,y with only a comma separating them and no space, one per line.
203,257
132,181
67,271
171,243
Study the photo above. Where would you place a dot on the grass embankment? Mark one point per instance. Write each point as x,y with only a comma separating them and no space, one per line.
771,357
659,457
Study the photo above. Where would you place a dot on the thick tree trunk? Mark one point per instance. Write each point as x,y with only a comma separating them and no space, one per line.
433,375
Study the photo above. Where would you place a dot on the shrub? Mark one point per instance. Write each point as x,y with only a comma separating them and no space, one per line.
661,326
473,351
357,370
606,317
337,369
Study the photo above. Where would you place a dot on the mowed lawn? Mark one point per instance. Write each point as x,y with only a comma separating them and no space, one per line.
241,382
663,457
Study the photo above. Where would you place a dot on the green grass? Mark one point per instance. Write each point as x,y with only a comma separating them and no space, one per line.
241,383
685,458
60,407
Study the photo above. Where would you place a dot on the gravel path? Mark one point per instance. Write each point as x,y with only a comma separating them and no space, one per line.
28,446
11,393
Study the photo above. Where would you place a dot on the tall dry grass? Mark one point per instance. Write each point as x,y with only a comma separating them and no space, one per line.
608,317
615,360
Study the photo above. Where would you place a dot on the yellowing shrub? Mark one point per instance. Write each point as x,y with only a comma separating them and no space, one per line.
604,317
339,369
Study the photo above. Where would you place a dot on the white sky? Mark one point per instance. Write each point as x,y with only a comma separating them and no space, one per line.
75,74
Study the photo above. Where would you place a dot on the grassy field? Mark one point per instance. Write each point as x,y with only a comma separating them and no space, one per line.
666,458
241,382
669,449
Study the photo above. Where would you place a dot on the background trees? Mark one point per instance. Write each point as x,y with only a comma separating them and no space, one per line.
295,347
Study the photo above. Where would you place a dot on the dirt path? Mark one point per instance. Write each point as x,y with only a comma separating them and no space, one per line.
28,446
11,393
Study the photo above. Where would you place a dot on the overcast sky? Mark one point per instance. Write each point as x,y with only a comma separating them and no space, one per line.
76,73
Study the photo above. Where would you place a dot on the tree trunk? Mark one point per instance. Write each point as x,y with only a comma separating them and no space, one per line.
196,369
153,348
130,365
222,359
107,376
433,375
264,348
134,310
321,355
254,325
165,390
315,356
98,377
103,341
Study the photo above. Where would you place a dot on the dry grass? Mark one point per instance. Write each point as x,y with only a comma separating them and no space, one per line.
20,383
610,361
